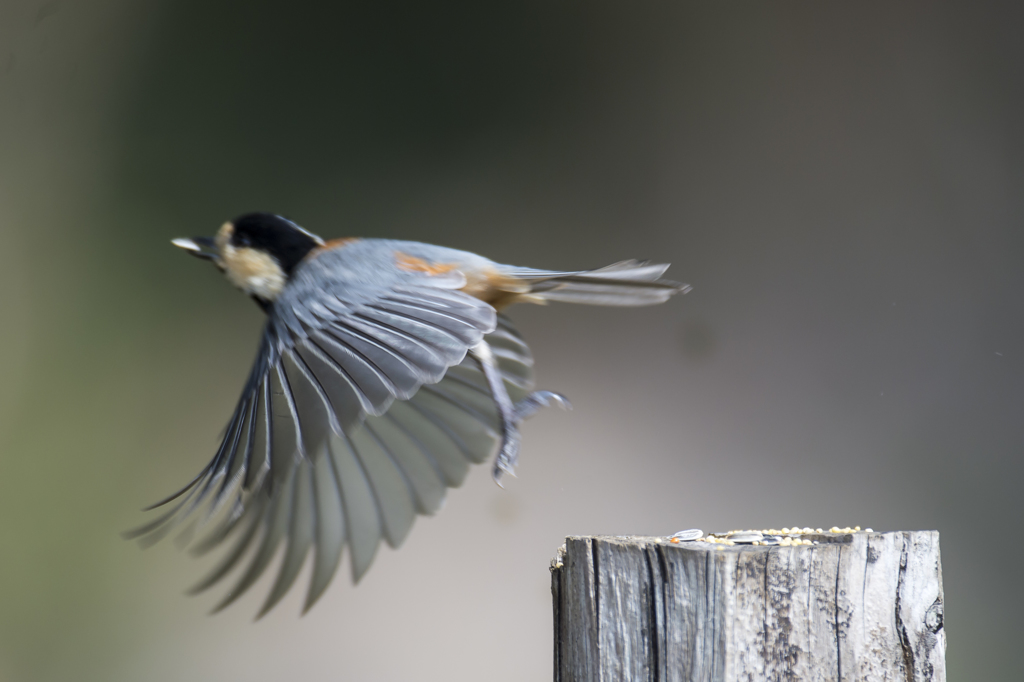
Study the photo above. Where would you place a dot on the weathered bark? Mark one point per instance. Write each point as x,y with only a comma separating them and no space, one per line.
855,607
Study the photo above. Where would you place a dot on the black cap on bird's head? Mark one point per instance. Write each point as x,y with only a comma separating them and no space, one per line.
257,252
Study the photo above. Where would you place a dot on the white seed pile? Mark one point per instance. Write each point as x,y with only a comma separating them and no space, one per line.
783,537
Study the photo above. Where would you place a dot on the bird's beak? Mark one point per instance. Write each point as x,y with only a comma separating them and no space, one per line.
200,247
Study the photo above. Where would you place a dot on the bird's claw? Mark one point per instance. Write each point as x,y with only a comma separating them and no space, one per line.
508,456
531,404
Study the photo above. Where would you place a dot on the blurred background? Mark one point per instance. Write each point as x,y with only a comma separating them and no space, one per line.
841,184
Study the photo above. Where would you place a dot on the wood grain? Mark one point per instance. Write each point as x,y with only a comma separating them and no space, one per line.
859,606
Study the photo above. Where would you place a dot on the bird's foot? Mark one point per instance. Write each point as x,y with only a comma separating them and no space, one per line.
531,404
508,456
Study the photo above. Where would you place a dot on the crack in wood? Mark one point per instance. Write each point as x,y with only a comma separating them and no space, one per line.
901,628
653,628
839,646
597,591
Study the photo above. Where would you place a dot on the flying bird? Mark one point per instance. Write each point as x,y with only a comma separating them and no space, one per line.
385,369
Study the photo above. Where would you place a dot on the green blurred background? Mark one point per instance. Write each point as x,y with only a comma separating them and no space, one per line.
841,183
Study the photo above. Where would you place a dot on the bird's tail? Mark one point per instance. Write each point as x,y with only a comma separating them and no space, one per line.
627,283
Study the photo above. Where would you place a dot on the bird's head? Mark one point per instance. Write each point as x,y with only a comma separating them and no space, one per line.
257,252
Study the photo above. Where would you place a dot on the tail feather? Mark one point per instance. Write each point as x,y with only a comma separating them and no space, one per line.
634,270
628,283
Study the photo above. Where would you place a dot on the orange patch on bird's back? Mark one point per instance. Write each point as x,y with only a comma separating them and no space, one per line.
331,244
413,264
501,291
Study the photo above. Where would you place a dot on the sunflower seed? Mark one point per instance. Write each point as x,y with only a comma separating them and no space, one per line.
688,535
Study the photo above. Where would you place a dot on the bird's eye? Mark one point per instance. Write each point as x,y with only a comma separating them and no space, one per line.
243,240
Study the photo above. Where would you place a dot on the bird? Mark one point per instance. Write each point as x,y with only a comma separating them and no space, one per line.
385,369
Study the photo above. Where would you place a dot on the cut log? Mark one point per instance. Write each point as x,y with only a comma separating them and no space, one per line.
853,607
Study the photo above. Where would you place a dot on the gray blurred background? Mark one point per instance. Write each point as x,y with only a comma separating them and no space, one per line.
841,183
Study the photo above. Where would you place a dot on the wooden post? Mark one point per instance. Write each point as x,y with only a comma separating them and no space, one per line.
855,606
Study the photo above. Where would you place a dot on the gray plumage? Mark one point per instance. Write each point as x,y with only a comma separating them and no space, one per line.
363,407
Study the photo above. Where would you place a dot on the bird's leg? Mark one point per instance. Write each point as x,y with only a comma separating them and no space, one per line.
508,413
508,455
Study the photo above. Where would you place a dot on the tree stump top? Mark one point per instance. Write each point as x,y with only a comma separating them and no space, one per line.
854,606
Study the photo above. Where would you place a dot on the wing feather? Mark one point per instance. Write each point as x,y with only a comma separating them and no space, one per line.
300,534
390,489
401,373
310,401
285,432
363,523
438,441
373,389
446,344
257,470
330,526
225,527
275,525
411,457
334,381
360,411
464,333
231,559
474,432
427,358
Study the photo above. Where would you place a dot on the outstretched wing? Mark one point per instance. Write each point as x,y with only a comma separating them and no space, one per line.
369,482
343,432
